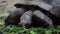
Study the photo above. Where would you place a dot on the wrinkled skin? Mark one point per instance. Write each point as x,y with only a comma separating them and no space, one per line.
52,14
25,20
14,17
43,19
39,18
28,7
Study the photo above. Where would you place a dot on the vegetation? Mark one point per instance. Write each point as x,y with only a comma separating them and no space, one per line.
19,30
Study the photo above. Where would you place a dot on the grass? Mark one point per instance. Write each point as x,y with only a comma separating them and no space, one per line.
19,30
